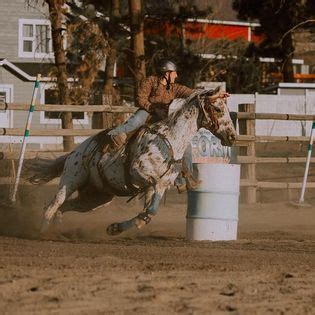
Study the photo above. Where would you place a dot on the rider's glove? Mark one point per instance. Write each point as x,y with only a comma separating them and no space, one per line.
160,110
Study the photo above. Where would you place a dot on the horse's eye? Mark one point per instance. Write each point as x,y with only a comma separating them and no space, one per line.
218,109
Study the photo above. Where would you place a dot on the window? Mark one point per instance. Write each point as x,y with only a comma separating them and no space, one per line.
6,116
49,95
2,97
35,38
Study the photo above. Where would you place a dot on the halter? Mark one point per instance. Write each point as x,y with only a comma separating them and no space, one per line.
210,117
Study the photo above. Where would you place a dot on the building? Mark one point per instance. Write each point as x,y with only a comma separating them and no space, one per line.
25,51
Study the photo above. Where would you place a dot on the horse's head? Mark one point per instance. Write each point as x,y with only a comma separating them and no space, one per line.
215,116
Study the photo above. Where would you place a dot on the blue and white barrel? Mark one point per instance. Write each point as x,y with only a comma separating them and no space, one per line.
212,209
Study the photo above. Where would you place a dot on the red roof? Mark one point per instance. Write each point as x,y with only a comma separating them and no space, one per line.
203,30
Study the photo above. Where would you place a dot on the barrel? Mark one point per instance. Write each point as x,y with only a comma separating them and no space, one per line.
212,207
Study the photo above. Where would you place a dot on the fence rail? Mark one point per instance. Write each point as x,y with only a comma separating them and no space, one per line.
132,109
14,155
273,116
246,140
49,132
70,108
243,183
247,125
90,132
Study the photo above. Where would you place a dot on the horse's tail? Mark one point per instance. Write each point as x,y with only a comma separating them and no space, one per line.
41,171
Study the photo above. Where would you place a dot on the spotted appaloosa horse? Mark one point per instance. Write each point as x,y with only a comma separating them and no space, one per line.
147,165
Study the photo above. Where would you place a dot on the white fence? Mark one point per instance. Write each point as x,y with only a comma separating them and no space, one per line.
282,104
265,103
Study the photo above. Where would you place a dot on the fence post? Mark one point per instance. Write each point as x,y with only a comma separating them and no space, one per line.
103,120
248,171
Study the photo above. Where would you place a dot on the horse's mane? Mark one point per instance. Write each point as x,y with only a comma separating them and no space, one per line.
188,102
185,104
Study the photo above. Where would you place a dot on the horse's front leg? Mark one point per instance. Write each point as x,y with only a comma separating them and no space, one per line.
152,201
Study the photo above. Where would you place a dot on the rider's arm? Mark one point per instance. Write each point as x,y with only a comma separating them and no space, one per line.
182,91
144,92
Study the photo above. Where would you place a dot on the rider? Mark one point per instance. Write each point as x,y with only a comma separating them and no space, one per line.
154,97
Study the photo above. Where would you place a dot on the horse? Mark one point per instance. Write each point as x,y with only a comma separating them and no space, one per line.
146,165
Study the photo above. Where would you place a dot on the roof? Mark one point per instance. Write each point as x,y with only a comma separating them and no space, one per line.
32,69
27,72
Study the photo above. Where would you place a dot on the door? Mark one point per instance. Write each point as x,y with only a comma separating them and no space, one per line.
5,97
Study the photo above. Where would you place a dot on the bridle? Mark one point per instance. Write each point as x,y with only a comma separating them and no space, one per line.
210,114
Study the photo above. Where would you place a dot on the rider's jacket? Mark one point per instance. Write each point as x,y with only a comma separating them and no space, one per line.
153,93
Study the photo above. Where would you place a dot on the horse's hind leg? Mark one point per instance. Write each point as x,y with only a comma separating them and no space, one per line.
73,177
63,193
88,199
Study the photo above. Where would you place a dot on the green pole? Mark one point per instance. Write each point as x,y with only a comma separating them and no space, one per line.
308,160
26,134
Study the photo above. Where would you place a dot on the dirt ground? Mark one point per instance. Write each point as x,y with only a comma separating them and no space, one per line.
77,269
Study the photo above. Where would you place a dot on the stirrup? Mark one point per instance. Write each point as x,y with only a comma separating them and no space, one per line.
118,140
115,142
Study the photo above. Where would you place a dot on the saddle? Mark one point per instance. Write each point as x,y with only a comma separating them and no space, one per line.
110,144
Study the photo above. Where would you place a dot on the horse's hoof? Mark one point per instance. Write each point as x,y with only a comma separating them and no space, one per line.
181,188
113,229
45,225
58,217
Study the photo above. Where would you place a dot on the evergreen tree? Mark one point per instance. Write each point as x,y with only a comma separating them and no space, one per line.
277,18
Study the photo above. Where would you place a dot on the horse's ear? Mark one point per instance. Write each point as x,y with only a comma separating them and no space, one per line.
217,90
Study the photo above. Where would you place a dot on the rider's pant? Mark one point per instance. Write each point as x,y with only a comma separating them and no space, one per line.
137,120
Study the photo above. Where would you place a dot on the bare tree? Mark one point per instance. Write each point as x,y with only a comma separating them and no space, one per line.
277,19
111,58
56,19
111,26
77,61
137,41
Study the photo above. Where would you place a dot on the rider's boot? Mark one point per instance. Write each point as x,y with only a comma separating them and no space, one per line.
115,142
181,188
118,140
186,181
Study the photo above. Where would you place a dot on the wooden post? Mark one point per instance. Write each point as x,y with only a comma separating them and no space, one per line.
248,171
137,41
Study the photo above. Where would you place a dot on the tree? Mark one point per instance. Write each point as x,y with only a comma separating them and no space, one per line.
110,23
77,61
137,41
277,18
241,74
57,29
168,18
142,53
